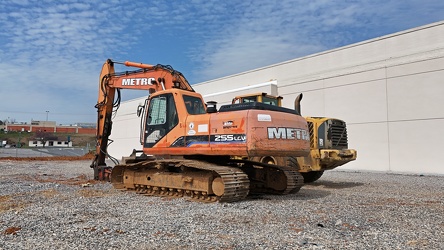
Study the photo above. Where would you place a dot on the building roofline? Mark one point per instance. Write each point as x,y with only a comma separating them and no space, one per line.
376,39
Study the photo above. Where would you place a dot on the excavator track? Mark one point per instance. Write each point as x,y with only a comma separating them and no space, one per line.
272,179
197,180
294,181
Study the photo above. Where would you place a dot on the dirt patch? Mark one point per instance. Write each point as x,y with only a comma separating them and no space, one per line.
93,193
20,200
60,179
8,202
12,230
89,156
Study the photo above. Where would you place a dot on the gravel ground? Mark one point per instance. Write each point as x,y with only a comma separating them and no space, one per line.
43,205
41,152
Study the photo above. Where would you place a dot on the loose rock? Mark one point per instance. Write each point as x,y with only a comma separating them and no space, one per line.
46,205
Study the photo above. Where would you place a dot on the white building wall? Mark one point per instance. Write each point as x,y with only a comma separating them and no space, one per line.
389,90
126,129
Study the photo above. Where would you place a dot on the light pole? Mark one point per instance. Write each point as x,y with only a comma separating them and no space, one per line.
47,115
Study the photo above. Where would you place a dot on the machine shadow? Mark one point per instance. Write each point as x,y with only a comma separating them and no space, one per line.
334,184
303,194
310,191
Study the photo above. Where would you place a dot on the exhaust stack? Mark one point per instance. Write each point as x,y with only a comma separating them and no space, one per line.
297,103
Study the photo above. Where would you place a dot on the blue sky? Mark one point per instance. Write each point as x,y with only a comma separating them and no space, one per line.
51,52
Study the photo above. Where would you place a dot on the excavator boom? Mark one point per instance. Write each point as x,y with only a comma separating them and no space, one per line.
152,78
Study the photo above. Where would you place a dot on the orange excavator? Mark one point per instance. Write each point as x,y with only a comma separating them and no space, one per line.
192,149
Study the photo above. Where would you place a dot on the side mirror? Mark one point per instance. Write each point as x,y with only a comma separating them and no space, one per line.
140,109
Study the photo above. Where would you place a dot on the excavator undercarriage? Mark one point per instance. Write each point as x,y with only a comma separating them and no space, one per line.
205,181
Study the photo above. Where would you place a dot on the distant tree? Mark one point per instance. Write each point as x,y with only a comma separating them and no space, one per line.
1,122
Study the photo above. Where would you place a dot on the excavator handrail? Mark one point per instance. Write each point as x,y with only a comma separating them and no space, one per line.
177,75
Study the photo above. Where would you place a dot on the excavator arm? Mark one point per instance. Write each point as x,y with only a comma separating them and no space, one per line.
152,78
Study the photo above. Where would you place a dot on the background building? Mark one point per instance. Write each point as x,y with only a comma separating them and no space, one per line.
51,127
389,90
50,143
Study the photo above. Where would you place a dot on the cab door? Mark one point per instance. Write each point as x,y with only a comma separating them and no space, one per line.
161,118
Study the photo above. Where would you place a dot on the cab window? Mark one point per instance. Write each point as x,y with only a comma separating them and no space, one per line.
249,99
157,111
194,105
268,100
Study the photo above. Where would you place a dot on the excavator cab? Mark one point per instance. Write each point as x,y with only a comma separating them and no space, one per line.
165,111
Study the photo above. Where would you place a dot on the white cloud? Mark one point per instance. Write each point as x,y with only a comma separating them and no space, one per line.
54,50
261,33
46,53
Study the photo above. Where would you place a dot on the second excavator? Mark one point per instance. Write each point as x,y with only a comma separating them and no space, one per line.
192,149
